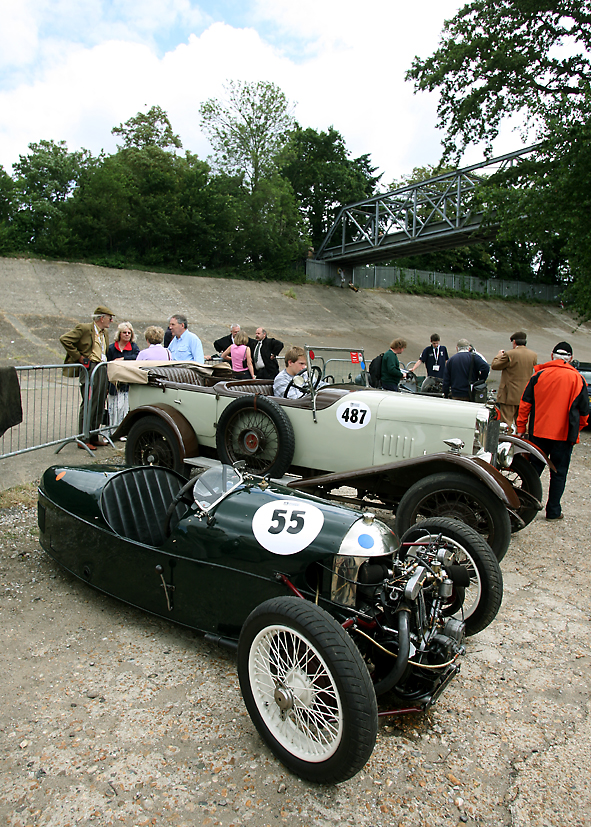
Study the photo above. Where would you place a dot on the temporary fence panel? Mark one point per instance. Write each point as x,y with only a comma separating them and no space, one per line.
51,407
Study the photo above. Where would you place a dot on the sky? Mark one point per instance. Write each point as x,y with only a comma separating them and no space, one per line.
72,69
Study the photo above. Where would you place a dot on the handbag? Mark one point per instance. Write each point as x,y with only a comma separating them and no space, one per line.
478,392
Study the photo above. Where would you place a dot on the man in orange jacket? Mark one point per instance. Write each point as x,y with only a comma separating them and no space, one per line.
556,403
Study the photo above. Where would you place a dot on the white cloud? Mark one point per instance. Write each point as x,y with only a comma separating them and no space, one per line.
343,64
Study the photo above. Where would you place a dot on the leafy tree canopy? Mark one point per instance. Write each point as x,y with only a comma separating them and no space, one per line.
531,58
247,129
324,177
151,128
498,57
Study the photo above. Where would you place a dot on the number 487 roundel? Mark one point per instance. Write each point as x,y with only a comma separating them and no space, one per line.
353,415
287,526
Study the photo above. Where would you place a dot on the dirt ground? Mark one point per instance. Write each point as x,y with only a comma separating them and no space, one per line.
113,717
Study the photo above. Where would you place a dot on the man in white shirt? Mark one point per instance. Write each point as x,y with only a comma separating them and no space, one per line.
185,346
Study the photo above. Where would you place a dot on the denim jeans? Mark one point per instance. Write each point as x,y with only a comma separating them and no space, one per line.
559,453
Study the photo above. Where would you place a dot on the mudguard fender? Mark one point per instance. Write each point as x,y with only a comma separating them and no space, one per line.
186,437
411,470
524,446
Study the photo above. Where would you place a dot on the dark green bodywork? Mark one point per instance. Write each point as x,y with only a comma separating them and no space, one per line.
215,571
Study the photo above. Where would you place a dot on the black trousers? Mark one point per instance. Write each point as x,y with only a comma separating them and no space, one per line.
97,394
559,453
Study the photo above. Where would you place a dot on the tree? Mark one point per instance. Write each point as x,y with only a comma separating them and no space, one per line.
498,57
6,196
533,58
324,177
44,182
152,128
247,130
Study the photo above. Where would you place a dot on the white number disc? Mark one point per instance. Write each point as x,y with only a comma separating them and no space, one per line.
353,415
287,526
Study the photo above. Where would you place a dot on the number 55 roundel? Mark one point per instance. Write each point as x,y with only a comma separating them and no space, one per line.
287,526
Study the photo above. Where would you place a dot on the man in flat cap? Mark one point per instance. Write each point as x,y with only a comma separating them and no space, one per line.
87,345
556,403
516,366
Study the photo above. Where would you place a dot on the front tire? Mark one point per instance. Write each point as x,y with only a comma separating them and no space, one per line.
152,442
483,597
307,690
461,497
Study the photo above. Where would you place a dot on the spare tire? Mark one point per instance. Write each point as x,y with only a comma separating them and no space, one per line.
257,430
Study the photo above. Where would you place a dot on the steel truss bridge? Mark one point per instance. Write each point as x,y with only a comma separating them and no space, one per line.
432,215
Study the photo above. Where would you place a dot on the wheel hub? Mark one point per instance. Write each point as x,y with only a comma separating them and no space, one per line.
251,440
283,698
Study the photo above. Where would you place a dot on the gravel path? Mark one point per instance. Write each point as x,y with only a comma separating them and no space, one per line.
112,717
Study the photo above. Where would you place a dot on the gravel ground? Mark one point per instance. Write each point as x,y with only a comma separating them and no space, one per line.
112,717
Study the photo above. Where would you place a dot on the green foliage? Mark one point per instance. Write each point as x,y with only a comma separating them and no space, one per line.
45,181
248,129
324,178
533,58
151,128
148,205
6,198
498,57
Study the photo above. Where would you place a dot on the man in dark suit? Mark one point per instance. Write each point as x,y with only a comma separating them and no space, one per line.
220,345
87,345
264,357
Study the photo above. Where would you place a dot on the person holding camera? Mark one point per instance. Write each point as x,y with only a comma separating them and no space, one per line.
87,345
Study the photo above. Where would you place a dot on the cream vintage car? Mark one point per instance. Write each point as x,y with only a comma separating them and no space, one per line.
416,455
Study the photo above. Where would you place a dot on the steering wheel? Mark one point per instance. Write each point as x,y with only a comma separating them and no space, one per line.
311,383
180,496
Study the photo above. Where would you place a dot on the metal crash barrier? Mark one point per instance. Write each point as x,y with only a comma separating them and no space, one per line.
51,398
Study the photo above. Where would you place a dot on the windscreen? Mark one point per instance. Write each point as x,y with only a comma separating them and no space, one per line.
339,366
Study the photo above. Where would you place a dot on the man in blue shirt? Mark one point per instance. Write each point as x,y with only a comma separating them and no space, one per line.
185,346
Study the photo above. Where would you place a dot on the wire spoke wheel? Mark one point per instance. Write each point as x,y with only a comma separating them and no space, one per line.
528,487
295,693
253,437
477,603
151,442
307,689
258,431
460,497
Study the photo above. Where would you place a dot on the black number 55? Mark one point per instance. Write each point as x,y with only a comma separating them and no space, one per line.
296,521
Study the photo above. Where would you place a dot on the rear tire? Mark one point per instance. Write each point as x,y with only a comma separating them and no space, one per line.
307,690
461,497
152,442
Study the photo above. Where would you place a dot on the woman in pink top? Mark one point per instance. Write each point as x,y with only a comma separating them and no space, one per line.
238,354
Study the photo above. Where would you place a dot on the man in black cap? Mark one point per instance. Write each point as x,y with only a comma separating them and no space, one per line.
87,345
556,403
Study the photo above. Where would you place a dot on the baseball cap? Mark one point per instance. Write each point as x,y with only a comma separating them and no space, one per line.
563,350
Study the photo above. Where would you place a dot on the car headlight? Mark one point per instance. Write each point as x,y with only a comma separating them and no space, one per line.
505,454
366,538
